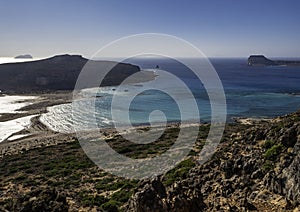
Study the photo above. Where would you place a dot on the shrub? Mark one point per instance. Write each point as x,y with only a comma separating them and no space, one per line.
273,152
91,200
268,144
110,206
179,172
267,166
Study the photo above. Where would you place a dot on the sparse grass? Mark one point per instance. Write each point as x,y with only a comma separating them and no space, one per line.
136,151
122,196
110,206
92,200
179,172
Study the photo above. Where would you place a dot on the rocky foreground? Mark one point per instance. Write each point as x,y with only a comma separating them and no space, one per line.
256,168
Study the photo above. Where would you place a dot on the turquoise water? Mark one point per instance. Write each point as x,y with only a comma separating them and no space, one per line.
250,92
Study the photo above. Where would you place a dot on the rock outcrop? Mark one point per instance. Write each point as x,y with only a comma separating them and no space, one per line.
153,196
261,60
40,199
253,170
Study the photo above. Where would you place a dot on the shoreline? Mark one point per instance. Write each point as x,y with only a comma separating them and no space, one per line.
39,135
38,105
36,133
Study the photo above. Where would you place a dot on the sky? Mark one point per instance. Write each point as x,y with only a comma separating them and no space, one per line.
219,28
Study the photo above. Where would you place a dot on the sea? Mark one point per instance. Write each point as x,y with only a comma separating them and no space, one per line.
250,92
14,60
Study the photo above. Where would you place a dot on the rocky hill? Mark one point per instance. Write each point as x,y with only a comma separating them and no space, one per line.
57,73
254,170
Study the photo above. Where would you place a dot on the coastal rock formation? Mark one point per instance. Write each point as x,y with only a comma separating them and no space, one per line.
41,199
261,60
256,169
60,73
24,56
152,196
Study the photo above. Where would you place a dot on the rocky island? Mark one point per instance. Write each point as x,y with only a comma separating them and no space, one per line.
24,56
261,60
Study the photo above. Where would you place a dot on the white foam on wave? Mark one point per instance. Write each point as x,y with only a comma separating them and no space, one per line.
9,104
7,128
15,137
59,118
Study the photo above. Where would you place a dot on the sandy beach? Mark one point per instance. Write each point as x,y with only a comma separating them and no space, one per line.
32,133
20,126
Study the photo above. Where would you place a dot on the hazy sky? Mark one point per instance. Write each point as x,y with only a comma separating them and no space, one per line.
217,27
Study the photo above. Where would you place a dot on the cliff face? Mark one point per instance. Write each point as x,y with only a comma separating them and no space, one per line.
57,73
261,60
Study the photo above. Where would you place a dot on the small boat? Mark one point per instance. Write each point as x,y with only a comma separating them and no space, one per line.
157,67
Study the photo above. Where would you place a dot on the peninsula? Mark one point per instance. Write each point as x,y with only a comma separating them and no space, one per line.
61,72
261,60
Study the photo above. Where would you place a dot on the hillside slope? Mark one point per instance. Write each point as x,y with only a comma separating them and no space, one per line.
57,73
254,170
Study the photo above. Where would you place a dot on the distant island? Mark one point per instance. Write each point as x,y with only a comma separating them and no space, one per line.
24,56
61,72
261,60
